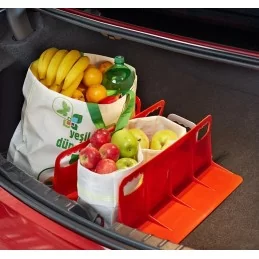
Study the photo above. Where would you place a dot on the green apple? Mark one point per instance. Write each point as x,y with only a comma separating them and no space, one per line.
162,139
126,142
167,144
125,162
141,137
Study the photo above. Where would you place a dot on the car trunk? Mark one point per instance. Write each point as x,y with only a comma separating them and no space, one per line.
192,88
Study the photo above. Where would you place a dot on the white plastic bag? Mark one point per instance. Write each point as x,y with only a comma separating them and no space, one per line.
51,122
101,191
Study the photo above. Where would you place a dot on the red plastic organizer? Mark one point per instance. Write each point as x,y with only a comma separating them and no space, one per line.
65,177
181,186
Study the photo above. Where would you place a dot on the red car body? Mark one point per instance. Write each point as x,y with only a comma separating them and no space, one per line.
22,228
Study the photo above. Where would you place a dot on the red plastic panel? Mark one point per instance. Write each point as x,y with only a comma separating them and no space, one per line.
181,187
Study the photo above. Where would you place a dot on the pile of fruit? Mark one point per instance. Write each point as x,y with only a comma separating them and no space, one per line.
161,140
110,152
71,74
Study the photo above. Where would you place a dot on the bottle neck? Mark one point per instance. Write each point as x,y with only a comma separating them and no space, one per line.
120,64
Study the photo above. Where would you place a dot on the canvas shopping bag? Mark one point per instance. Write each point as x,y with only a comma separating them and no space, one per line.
51,122
101,191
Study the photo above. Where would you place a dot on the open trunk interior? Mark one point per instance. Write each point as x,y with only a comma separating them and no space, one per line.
192,88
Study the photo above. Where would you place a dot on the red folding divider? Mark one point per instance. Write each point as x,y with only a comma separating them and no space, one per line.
180,187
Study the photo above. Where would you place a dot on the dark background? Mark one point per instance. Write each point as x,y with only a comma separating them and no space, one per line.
233,27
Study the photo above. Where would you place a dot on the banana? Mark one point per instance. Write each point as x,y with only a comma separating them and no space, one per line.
56,88
79,67
43,81
44,61
78,95
34,68
66,64
53,66
71,89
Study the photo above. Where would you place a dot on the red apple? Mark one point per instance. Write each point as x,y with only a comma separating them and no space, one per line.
89,157
105,166
110,151
109,99
100,137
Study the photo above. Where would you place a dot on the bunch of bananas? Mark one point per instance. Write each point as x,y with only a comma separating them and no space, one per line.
61,71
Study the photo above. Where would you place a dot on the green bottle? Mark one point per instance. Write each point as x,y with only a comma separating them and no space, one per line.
118,77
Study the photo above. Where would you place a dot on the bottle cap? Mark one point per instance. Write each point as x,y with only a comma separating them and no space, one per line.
119,60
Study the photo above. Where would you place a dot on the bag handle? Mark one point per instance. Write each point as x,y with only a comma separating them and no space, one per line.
124,118
96,115
128,111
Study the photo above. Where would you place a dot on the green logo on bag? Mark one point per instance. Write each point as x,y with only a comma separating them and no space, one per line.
73,122
64,109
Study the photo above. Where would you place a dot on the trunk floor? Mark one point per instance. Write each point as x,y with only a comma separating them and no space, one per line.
192,88
234,107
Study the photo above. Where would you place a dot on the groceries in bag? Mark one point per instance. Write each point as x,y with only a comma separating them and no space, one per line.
107,153
72,74
102,165
155,134
51,120
110,157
